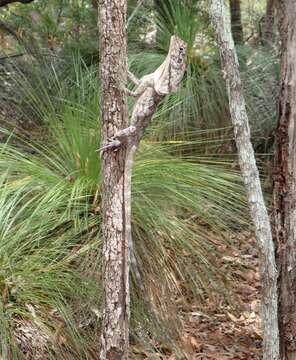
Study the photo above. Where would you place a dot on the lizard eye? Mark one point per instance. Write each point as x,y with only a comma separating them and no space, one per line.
181,48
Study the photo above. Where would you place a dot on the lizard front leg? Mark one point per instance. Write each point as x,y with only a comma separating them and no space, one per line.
144,83
122,135
133,78
117,139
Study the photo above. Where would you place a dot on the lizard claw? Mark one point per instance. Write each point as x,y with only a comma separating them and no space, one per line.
112,143
115,141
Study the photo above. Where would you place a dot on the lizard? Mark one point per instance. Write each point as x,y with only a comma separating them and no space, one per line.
149,92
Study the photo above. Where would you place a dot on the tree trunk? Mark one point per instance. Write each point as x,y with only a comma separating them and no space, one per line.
251,179
269,21
113,73
284,186
236,21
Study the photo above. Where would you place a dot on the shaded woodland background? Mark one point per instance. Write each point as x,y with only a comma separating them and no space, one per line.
190,216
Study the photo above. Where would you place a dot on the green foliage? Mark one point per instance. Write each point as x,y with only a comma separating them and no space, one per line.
201,101
50,221
170,19
185,203
260,74
53,26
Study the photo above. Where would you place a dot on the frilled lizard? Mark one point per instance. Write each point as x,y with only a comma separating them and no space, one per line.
150,90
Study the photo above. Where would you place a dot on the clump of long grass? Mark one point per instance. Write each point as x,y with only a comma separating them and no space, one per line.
51,214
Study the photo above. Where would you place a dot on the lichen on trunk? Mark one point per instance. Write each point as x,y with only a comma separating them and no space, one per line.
250,174
113,74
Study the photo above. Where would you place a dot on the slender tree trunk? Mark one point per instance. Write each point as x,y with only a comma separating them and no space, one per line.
269,21
251,179
236,21
113,72
284,190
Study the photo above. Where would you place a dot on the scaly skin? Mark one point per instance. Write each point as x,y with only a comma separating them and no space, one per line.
150,90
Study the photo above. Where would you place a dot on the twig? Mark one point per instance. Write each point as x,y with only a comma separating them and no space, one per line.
140,3
11,56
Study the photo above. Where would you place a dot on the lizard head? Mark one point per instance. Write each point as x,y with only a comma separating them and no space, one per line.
169,74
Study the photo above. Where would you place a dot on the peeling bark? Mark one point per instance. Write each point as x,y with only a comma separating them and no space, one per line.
284,183
113,73
251,179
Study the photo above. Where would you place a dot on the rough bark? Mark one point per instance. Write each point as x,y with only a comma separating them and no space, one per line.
284,189
113,72
150,90
236,21
269,21
251,179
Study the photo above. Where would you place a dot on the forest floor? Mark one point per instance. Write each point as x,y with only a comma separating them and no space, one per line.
218,331
213,330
